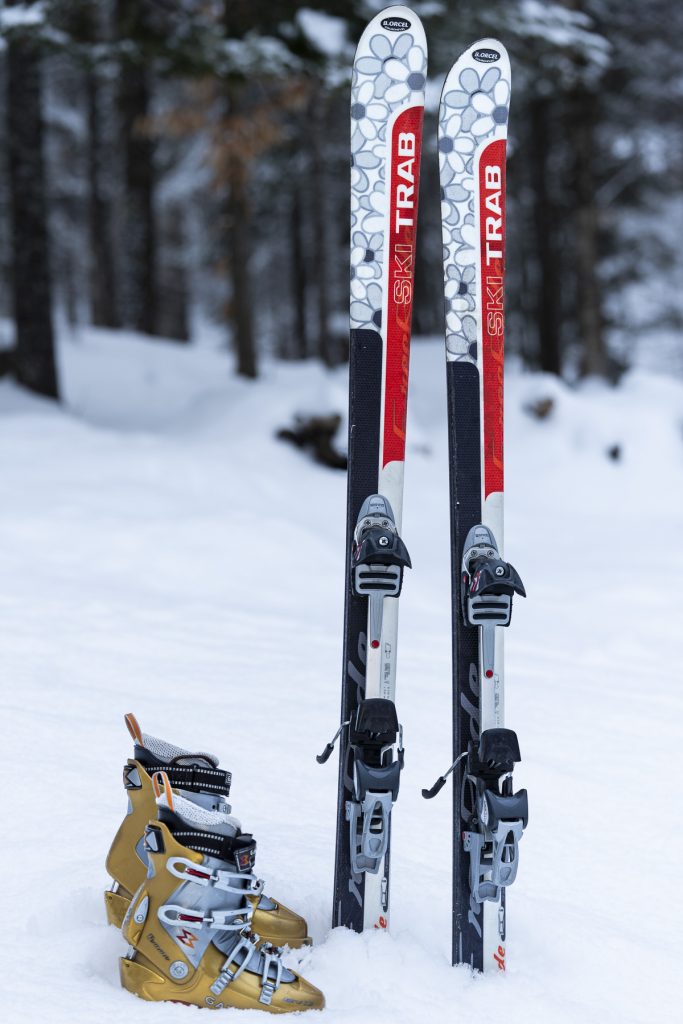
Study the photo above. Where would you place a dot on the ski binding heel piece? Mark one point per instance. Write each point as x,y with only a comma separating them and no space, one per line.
488,585
372,736
378,559
499,817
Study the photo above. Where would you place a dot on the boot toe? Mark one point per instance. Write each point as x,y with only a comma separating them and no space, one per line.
298,995
281,926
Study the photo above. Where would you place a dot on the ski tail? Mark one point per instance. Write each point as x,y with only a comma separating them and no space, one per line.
387,107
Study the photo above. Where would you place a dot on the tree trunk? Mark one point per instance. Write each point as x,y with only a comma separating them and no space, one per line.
103,284
34,357
238,17
173,308
239,244
298,346
546,229
319,216
594,354
139,256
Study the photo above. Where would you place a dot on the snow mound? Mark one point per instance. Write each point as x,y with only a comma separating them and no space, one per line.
163,553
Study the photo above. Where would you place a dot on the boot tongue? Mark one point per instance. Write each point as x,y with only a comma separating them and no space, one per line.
201,818
199,760
168,753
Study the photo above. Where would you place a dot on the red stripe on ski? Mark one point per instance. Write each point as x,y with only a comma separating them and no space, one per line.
406,146
492,255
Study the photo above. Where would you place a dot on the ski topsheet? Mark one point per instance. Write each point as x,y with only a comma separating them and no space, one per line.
387,106
487,817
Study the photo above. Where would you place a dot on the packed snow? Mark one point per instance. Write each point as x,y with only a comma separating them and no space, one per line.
163,553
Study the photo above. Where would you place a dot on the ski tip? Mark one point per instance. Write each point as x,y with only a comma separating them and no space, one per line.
489,43
479,57
476,92
391,23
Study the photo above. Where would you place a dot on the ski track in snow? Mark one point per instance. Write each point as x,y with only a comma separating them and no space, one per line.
162,553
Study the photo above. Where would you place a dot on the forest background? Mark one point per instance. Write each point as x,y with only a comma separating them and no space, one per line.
180,168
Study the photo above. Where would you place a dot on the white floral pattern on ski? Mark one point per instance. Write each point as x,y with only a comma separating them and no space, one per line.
474,109
389,75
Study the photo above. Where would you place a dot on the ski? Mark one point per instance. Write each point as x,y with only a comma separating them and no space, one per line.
387,107
488,816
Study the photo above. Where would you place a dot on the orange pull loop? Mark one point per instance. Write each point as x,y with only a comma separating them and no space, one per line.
162,787
133,728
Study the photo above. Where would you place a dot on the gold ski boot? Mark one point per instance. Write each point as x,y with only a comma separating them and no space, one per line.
199,779
190,924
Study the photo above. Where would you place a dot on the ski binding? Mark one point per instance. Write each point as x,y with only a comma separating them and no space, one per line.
378,559
500,815
372,735
488,585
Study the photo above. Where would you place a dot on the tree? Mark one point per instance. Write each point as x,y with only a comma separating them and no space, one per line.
139,298
237,223
546,235
34,357
103,274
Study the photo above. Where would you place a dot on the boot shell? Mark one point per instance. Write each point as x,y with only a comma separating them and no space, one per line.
157,969
279,925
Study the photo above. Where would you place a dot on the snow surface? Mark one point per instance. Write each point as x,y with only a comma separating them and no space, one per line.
162,553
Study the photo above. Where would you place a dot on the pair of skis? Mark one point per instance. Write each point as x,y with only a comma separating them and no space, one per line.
387,107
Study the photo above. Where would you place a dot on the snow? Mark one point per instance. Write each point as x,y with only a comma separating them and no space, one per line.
326,32
162,553
563,27
22,16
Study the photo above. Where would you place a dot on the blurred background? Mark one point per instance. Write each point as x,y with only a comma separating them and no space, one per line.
180,168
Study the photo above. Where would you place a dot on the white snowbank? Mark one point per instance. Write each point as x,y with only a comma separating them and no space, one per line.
162,553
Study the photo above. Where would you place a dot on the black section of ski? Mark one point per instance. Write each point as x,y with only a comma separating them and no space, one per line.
464,439
365,401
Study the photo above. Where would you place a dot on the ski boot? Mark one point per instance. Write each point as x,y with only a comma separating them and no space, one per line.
190,925
198,778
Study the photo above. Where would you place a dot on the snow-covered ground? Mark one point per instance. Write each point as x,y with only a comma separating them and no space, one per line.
161,552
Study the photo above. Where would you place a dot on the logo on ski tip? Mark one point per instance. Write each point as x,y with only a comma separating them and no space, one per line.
382,922
499,957
486,56
395,24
